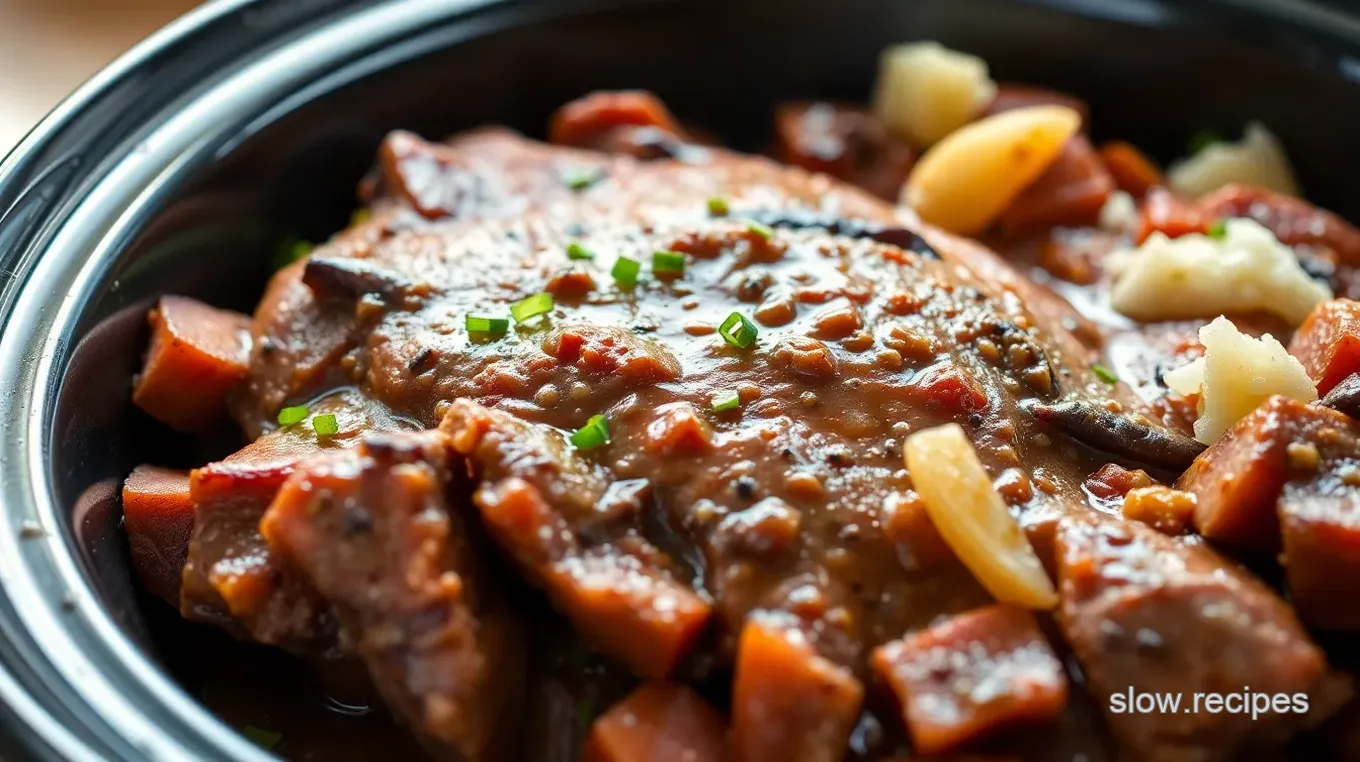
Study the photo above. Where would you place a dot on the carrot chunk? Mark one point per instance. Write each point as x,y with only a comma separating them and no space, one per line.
658,722
586,121
198,353
1238,480
1328,343
1320,521
971,675
1070,192
1163,212
1132,171
159,516
788,703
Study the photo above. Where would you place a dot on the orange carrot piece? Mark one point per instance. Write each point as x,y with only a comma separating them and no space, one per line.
971,675
1132,171
159,516
197,354
1238,480
585,121
658,722
1328,343
1164,212
789,704
1070,192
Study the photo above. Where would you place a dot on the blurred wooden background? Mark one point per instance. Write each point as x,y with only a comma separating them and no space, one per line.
49,47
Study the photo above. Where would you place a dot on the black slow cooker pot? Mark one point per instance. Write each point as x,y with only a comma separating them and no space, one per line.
182,166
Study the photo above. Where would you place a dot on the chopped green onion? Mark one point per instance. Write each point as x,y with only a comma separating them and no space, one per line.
1104,374
586,712
533,306
718,207
577,251
325,424
738,331
291,415
359,216
580,179
265,739
290,251
668,262
626,271
1202,140
724,401
486,324
594,434
763,231
1218,229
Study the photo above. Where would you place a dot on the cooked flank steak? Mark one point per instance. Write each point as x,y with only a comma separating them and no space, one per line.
809,474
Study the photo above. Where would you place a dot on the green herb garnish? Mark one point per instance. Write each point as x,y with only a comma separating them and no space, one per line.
577,251
594,434
580,179
738,331
1218,229
359,216
727,400
626,271
1104,374
291,415
325,424
763,231
290,251
538,304
718,207
668,263
486,324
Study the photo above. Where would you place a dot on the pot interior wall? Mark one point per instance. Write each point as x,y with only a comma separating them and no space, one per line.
1155,74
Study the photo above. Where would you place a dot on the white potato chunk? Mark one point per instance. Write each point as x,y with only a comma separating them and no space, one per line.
926,91
1258,159
1120,212
966,180
1236,374
1199,276
973,519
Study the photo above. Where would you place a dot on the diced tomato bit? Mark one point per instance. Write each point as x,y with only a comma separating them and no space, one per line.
789,703
1328,343
1294,221
1113,481
1238,480
950,387
972,675
1070,192
586,121
565,346
197,354
658,722
1132,171
679,429
158,514
1163,212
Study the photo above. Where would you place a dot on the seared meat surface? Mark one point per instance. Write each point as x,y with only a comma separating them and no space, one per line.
695,453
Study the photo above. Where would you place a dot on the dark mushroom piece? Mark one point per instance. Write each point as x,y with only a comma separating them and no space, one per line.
1092,425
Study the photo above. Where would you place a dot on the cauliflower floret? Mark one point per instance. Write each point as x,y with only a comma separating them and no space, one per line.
926,91
1258,159
1236,374
1192,276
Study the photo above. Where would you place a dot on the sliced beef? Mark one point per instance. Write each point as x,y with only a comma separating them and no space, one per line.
1147,613
232,578
844,141
377,532
158,514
